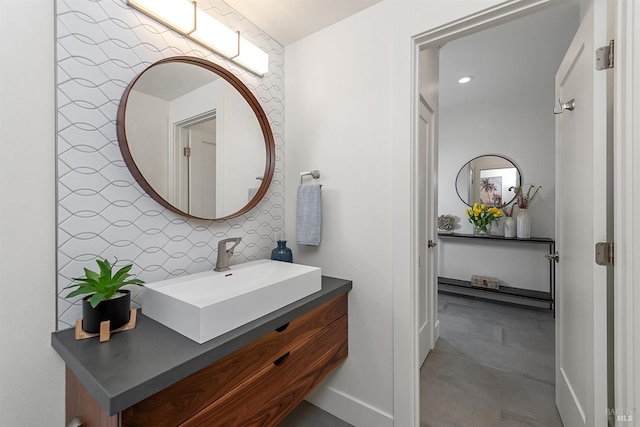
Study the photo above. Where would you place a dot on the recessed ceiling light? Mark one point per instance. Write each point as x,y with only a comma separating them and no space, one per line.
465,79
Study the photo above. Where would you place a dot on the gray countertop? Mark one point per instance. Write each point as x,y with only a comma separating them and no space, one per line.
138,363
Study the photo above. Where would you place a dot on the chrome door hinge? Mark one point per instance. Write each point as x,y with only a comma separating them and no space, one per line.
604,253
605,56
187,151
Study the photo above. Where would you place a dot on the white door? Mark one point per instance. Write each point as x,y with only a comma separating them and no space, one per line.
427,234
202,172
581,221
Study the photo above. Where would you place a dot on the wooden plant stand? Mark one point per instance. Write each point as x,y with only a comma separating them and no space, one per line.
105,332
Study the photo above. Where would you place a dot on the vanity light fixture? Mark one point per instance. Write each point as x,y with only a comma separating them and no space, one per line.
213,34
252,57
188,19
177,14
465,79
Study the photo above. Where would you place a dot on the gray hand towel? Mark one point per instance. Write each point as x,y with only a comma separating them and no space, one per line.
309,215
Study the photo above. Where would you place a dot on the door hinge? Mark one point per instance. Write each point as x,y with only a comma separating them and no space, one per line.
604,253
187,151
605,56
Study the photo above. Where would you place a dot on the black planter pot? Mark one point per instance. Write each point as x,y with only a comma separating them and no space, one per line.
116,310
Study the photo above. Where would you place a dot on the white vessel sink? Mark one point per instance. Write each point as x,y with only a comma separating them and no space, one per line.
206,305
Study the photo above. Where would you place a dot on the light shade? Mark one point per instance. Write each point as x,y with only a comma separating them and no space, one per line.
215,35
188,19
252,57
177,14
465,79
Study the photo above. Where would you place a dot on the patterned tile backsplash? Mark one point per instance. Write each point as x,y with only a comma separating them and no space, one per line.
101,45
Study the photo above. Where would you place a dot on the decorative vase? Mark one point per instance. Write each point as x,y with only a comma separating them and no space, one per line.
509,227
282,252
446,224
479,231
523,225
116,310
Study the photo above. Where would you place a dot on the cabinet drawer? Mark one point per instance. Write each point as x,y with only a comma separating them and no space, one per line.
81,405
182,400
264,399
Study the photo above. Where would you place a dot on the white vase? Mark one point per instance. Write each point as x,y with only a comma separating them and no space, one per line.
509,227
524,225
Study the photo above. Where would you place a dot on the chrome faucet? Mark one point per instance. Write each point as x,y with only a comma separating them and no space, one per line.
224,254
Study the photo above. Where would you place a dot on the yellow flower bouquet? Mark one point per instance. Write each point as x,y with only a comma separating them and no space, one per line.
481,217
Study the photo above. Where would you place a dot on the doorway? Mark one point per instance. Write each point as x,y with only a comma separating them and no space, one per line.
195,155
626,298
505,111
511,119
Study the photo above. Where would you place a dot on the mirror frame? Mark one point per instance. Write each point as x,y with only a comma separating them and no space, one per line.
488,155
246,94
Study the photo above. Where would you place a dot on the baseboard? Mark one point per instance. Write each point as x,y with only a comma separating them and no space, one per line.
348,408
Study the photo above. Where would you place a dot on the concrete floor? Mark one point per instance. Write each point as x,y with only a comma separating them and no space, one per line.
493,366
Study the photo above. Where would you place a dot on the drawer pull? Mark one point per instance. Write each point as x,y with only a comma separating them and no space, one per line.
281,359
283,327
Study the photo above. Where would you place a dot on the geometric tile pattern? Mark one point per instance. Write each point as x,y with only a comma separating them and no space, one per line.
101,45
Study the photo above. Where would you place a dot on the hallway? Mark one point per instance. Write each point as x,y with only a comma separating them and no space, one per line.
492,366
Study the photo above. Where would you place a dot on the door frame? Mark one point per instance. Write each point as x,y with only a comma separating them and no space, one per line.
429,151
626,146
409,37
175,155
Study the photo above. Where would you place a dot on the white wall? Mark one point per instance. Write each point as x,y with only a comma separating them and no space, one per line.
505,110
240,134
150,148
340,98
526,135
31,373
338,122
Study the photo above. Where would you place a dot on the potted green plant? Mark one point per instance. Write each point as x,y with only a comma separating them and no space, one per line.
106,299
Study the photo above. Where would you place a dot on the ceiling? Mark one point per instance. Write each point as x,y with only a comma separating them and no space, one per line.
172,80
518,56
523,53
288,21
503,59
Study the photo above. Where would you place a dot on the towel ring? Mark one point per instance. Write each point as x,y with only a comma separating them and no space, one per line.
315,174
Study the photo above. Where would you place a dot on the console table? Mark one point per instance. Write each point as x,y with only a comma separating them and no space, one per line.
545,297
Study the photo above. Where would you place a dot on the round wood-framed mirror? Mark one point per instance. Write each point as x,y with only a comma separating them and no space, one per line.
196,139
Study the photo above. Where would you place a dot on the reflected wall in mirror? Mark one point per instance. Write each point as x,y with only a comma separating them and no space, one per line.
196,139
487,179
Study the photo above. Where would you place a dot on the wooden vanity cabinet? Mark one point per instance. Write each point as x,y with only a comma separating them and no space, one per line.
254,386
